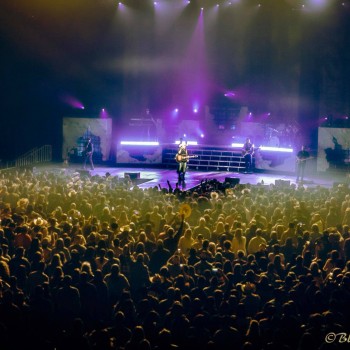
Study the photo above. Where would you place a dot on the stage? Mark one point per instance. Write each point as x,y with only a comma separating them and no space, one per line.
146,177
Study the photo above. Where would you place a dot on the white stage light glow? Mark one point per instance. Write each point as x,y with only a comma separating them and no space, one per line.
266,148
276,149
237,145
190,143
140,143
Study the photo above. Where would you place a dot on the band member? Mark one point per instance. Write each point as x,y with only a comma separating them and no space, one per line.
247,153
88,152
182,159
181,142
302,156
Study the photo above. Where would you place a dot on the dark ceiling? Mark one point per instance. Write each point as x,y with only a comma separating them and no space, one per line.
126,60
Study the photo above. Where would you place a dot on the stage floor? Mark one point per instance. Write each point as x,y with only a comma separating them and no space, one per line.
153,177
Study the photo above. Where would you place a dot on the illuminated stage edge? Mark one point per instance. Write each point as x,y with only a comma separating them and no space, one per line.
266,158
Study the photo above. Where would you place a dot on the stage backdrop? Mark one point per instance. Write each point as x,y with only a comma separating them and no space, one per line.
333,149
75,131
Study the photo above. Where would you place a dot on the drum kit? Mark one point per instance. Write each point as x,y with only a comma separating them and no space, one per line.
272,137
282,136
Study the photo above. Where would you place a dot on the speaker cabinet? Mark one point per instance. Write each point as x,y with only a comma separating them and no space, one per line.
83,172
233,181
282,183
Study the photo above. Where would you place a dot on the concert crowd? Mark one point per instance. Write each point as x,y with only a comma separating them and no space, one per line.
95,262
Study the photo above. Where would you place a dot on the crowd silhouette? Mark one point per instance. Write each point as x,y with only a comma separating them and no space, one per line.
98,263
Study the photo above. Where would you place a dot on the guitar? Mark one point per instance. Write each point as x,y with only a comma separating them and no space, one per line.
303,160
88,150
181,158
250,151
85,153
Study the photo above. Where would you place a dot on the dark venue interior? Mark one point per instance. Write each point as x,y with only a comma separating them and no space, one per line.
175,174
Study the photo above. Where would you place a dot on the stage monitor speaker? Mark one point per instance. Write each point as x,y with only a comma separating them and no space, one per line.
133,176
282,183
83,172
308,182
232,180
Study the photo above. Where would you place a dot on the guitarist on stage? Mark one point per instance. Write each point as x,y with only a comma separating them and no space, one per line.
247,153
88,151
302,156
182,159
